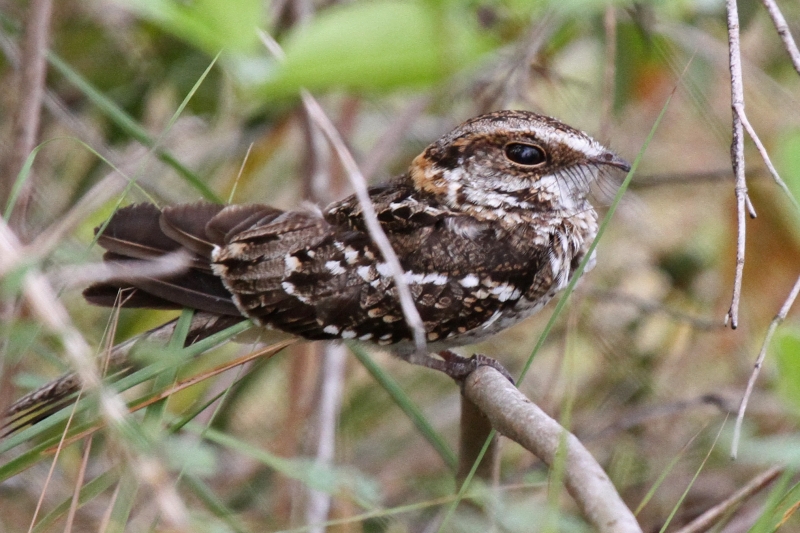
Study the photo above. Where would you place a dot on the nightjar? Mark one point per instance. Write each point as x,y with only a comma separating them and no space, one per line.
489,223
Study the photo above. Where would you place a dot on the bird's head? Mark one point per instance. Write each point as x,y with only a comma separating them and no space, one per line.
506,161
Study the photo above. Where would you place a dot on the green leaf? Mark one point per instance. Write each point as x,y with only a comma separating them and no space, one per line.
211,25
377,45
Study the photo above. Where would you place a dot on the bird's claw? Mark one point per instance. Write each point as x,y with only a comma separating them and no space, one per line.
459,367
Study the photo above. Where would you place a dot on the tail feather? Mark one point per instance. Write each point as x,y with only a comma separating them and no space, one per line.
143,233
236,218
186,224
135,232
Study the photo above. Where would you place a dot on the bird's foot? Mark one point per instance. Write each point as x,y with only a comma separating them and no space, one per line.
459,367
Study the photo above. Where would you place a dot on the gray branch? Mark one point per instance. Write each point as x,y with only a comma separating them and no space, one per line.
519,419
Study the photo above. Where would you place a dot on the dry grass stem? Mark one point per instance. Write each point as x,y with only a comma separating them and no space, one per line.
708,519
516,417
81,276
328,407
30,94
267,352
780,317
767,161
783,31
359,184
377,234
44,304
76,493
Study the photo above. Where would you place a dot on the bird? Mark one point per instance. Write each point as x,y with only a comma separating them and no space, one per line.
489,222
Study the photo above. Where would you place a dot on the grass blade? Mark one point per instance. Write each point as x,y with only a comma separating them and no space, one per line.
408,407
130,126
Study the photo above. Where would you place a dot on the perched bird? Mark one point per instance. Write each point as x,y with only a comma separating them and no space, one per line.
489,223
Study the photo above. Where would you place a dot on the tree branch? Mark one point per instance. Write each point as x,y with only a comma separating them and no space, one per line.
519,419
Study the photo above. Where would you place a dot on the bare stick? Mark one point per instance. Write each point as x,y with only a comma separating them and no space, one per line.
787,305
516,417
31,91
706,521
330,400
783,31
377,234
767,161
79,276
737,155
359,185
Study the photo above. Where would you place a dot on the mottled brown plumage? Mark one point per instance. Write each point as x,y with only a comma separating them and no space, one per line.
489,222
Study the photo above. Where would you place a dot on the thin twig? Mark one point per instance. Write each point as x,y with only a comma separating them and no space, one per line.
737,155
167,265
31,91
76,494
787,305
330,401
359,185
374,228
519,419
706,521
783,31
765,156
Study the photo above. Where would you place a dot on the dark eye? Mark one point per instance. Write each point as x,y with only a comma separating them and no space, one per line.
525,154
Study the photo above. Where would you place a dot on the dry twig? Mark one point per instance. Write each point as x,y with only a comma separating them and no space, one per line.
706,521
359,185
783,31
31,91
787,305
516,417
737,155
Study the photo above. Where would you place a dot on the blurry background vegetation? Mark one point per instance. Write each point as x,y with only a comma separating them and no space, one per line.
638,367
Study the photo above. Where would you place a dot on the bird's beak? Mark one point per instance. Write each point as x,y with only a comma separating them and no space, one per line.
613,160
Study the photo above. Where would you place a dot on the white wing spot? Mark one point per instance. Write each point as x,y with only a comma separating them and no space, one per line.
470,280
288,287
292,264
335,267
333,330
350,255
365,272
